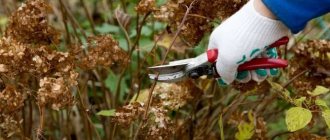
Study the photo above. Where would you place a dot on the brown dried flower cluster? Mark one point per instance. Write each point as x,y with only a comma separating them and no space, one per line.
261,128
31,62
29,24
10,100
8,125
55,91
175,96
316,55
146,6
166,97
103,51
19,59
304,135
200,17
28,58
159,126
129,113
257,88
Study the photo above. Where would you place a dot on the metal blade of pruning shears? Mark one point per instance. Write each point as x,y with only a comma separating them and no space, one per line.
170,77
166,69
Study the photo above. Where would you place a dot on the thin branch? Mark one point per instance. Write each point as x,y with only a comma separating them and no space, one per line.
123,28
139,29
149,101
130,52
73,20
108,10
65,21
89,17
294,78
41,122
167,52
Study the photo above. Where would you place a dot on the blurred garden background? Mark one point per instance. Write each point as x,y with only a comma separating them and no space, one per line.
78,69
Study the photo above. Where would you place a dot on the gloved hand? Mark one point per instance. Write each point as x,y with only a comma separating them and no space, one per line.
242,37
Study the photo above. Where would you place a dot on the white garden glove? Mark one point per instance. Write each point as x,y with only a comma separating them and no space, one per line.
242,37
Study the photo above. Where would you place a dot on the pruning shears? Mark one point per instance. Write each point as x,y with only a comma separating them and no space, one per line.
204,64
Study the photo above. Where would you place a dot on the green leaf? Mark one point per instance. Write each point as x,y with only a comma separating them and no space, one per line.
107,28
159,26
143,97
146,31
319,90
284,92
112,83
246,130
107,113
326,117
160,2
321,103
3,21
297,118
299,101
220,123
146,44
123,43
278,125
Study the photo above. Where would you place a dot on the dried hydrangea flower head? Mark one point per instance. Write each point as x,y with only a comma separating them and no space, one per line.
54,92
166,97
175,96
127,114
315,55
200,17
10,100
146,6
29,24
8,125
103,51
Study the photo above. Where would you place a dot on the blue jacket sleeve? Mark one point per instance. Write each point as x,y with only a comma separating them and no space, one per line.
296,13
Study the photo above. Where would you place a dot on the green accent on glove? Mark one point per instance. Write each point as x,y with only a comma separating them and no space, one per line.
273,72
272,53
261,72
242,75
241,61
254,52
221,82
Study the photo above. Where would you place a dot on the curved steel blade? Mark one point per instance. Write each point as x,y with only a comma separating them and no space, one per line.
168,69
184,61
171,77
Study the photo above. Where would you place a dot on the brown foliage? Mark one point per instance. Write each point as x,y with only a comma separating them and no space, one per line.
32,65
200,17
29,24
103,51
145,6
55,92
127,114
10,100
305,136
8,125
315,55
166,97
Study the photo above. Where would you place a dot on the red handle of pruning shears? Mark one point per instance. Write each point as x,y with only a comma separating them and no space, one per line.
257,63
263,63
